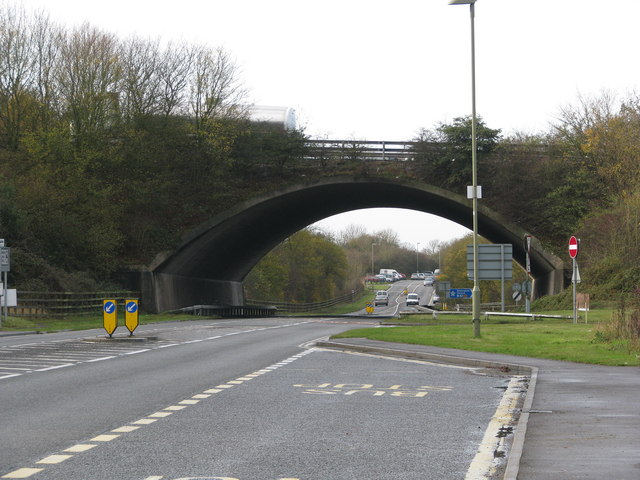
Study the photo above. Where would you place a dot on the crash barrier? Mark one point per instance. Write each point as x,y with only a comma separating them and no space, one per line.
234,311
62,304
311,307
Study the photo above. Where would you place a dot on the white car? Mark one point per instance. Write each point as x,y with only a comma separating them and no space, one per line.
413,299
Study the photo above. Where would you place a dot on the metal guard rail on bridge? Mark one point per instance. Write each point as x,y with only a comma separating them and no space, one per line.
390,150
363,149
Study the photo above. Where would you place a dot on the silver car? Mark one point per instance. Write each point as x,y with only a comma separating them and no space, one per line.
382,298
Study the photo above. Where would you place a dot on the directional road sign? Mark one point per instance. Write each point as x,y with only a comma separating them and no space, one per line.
131,315
110,316
460,293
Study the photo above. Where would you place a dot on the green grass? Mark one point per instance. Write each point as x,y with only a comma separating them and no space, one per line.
80,322
552,339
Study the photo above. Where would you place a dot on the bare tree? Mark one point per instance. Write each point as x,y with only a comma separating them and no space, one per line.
175,68
16,61
215,87
89,76
141,62
47,40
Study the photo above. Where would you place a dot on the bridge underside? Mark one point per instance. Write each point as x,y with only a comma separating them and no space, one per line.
211,263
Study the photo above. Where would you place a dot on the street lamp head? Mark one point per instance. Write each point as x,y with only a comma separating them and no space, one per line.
462,2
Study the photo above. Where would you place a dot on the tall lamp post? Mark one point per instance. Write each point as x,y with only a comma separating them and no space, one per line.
473,191
417,263
373,272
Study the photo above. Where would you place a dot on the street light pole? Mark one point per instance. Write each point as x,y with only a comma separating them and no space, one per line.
373,272
473,194
417,263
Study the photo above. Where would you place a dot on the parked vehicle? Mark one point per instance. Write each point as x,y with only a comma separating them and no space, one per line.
390,272
382,298
429,281
413,299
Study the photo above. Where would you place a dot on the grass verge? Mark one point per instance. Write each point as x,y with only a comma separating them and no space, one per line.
81,322
551,339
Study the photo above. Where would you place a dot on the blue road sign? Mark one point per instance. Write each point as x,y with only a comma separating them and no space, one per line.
132,306
109,307
460,293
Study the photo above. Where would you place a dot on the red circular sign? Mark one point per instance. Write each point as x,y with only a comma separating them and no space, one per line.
573,247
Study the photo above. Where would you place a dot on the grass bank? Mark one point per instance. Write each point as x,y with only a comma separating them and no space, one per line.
549,338
81,322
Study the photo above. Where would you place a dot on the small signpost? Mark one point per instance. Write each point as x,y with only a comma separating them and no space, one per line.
5,266
131,315
574,248
369,308
110,316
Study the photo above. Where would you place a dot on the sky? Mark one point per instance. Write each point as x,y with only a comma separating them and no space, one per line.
383,70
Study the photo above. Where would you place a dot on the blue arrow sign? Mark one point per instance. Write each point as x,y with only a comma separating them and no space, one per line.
109,307
460,293
132,307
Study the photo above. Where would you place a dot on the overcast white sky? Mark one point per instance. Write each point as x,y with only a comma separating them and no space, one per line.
372,69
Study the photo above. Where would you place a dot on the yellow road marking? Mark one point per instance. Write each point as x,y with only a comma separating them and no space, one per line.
144,421
80,448
235,382
200,395
483,465
244,379
189,402
125,429
104,438
23,473
224,386
213,390
161,414
175,408
54,459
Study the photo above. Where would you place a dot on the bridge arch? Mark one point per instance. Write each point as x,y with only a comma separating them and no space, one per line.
209,265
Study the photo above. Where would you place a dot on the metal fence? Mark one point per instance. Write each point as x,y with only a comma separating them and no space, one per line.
62,304
311,307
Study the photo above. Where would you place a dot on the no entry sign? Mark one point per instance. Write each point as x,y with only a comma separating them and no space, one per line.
573,247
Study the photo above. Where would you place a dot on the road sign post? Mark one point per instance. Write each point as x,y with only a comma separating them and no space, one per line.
110,316
131,315
574,248
5,266
527,249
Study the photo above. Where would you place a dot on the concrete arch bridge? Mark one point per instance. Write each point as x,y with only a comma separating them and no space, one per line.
208,267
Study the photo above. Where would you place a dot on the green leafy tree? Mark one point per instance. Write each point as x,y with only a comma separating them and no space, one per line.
450,165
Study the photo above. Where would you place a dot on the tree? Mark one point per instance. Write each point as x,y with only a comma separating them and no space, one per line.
215,89
141,82
89,76
16,62
450,165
